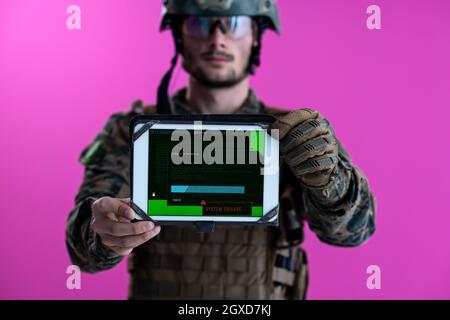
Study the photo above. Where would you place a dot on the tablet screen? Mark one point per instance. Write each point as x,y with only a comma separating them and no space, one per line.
194,173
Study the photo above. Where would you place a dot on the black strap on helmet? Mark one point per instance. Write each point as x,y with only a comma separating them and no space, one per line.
163,105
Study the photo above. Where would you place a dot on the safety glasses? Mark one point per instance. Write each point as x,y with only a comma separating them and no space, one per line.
200,27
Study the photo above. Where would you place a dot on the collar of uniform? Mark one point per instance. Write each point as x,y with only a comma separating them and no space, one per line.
251,105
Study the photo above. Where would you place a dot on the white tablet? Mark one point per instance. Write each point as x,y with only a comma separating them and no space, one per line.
204,168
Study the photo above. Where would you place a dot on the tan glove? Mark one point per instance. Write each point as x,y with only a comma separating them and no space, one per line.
308,145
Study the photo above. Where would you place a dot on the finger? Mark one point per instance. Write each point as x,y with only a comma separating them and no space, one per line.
116,206
317,179
126,200
130,241
122,219
114,217
303,132
289,120
120,229
324,162
310,149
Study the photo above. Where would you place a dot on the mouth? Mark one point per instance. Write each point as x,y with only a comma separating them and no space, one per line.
221,58
217,62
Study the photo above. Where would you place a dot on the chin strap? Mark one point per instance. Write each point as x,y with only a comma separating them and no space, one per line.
163,102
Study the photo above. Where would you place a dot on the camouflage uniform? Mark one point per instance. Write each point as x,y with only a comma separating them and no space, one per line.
232,262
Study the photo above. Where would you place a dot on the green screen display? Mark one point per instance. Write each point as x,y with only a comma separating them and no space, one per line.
205,173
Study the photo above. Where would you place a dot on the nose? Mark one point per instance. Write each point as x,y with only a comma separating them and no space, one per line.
217,39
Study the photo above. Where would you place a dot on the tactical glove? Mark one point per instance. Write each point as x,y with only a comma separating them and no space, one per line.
308,145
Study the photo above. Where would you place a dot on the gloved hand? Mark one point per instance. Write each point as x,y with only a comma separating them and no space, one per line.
308,145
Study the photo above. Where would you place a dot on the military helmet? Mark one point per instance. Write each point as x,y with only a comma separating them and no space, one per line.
265,10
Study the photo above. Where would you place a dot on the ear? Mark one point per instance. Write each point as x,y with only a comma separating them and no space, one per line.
255,33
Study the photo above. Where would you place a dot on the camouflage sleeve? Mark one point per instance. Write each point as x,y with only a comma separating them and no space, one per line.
106,174
341,213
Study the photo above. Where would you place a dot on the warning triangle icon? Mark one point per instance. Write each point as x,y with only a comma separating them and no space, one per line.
203,202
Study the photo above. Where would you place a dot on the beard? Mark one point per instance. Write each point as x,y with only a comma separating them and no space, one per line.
231,79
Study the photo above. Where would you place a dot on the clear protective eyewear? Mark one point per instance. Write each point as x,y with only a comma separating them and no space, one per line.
201,27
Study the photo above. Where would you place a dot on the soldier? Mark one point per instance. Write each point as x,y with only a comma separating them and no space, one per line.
220,42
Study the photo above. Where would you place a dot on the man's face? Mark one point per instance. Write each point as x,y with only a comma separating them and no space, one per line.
217,49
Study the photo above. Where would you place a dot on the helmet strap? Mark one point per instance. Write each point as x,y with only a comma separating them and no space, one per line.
163,105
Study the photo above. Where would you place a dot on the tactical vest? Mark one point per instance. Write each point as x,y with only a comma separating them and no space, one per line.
233,262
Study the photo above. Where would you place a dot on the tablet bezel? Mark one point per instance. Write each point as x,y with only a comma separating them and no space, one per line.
139,153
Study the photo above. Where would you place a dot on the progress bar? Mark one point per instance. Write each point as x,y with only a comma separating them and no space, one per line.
207,189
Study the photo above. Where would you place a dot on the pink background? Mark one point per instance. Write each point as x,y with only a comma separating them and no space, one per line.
386,93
